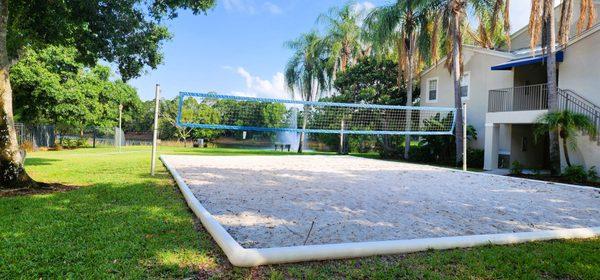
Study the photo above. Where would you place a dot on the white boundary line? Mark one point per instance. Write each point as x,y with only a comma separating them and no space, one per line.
240,256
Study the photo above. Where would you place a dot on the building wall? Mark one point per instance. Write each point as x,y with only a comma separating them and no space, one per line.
580,72
529,154
481,81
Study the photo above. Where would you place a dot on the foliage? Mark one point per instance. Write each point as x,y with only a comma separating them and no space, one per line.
369,81
72,143
575,174
50,87
230,112
475,158
440,149
127,33
566,124
578,174
306,72
27,146
593,174
516,168
343,37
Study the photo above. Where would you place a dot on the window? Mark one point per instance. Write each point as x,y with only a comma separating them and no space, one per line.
465,83
432,89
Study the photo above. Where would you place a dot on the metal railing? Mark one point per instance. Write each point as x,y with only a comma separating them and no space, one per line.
535,97
571,101
526,98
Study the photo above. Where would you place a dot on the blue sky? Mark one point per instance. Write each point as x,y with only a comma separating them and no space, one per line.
237,48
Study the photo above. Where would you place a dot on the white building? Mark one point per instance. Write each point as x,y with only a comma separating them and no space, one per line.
505,92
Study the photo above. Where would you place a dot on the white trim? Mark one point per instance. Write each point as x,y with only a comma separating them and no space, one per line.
437,90
240,256
584,34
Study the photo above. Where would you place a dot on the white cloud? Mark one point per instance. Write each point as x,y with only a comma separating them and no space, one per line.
242,6
272,8
363,7
250,7
258,87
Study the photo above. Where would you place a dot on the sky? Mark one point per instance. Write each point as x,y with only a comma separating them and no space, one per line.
238,47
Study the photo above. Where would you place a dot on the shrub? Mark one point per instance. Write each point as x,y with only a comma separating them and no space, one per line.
82,142
516,168
575,174
593,174
475,158
27,146
69,143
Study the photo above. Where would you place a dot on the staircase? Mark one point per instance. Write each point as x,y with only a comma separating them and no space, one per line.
570,100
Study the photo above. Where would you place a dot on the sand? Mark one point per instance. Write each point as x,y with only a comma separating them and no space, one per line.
272,201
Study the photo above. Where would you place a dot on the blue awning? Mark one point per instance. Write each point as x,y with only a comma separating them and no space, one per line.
560,56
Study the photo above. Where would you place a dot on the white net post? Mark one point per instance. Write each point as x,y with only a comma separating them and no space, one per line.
155,129
464,116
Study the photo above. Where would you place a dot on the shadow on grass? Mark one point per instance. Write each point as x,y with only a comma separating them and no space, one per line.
39,161
138,230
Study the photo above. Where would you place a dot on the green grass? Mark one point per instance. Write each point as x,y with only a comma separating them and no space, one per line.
122,223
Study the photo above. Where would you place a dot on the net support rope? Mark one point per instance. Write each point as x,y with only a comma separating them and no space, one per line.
228,112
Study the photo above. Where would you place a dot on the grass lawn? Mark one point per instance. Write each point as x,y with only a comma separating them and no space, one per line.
122,223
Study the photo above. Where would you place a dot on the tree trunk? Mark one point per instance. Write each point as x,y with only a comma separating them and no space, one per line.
12,173
456,73
552,87
566,152
409,94
304,120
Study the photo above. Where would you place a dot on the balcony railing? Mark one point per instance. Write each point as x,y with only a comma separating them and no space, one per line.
524,98
536,98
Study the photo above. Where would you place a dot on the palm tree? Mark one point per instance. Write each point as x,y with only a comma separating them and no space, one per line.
541,25
306,71
565,124
453,14
400,25
343,42
487,34
342,37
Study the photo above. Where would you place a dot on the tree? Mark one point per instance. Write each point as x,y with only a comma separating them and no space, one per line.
128,33
306,71
40,81
342,36
453,15
566,124
542,27
371,81
401,25
51,87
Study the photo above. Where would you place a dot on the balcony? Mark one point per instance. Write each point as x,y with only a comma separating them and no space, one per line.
526,98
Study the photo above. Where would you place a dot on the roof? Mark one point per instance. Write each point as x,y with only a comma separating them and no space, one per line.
476,49
527,60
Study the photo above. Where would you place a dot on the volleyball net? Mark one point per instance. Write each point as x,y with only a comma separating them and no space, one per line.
228,112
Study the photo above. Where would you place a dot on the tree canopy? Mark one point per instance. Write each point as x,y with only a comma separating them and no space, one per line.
51,87
126,32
